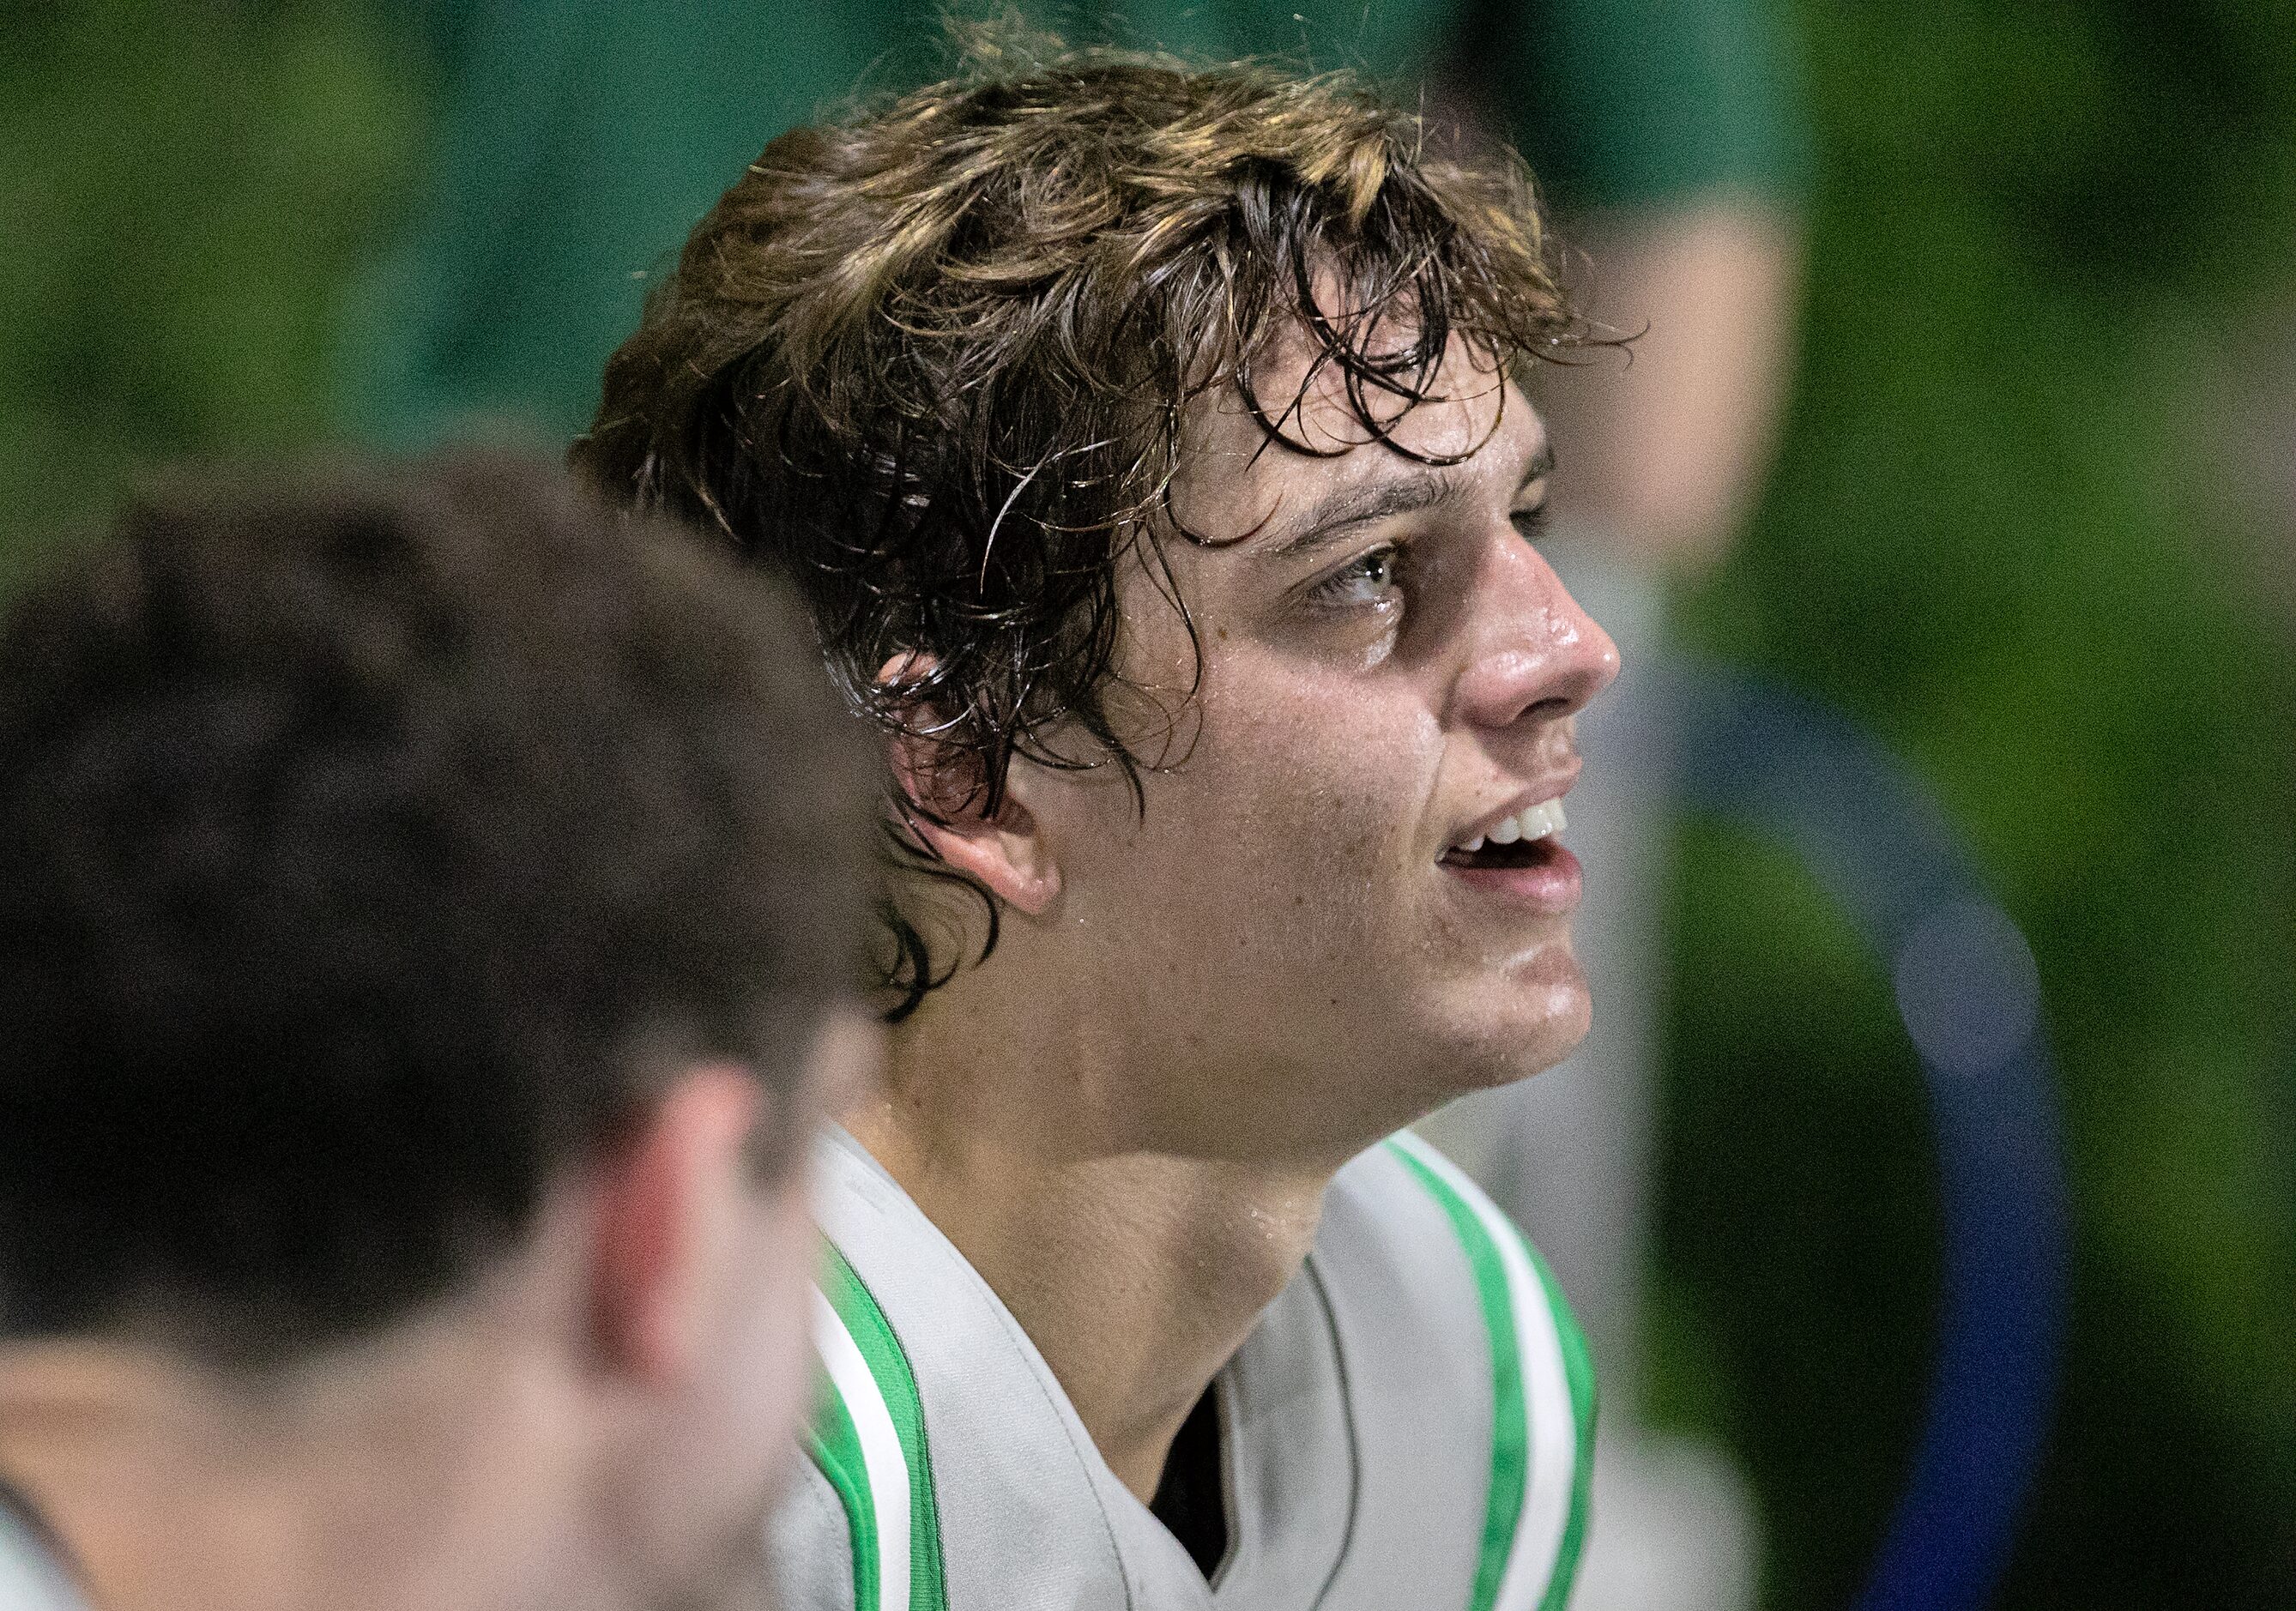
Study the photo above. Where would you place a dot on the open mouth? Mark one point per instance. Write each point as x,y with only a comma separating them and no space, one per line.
1526,839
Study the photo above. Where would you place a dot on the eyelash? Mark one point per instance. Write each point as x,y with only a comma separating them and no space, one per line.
1329,594
1530,524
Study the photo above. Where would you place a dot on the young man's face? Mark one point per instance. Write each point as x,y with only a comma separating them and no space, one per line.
1389,670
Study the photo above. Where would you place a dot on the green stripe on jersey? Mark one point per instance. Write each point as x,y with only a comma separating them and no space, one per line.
1542,1397
836,1449
1510,1422
869,1441
1578,1368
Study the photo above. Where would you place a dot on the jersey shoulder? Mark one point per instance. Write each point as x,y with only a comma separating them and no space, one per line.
1405,1216
1462,1354
810,1542
32,1578
942,1453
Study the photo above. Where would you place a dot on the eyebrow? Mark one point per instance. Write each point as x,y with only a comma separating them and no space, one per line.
1337,516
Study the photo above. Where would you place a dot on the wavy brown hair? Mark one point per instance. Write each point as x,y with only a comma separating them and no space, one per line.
934,360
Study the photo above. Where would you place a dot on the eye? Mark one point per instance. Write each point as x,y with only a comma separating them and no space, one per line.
1368,582
1531,523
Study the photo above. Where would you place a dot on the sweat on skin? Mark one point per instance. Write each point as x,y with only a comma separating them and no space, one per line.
1284,954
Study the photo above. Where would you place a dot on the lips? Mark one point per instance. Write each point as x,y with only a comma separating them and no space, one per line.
1519,860
1528,825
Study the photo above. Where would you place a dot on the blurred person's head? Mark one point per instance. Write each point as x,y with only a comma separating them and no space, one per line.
428,936
1149,445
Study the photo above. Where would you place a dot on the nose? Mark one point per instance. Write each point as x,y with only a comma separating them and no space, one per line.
1534,654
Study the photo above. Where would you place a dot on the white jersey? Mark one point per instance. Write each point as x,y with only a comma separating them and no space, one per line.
31,1576
1408,1427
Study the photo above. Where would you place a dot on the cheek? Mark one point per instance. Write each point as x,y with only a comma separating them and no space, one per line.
1297,804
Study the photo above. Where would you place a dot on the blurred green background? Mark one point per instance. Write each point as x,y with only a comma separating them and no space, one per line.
2018,528
2033,524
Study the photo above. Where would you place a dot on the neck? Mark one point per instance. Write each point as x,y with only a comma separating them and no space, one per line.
352,1489
1137,1267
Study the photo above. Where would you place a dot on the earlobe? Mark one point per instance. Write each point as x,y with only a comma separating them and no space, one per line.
1004,853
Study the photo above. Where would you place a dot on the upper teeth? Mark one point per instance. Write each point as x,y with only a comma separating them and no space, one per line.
1533,823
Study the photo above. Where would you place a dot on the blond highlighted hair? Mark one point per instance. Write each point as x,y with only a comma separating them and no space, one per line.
932,359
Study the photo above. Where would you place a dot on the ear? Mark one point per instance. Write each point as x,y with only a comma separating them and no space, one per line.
668,1202
1006,852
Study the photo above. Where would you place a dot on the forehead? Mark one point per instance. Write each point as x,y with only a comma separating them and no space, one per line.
1473,427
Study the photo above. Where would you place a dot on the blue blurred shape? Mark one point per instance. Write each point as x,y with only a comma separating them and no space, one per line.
1792,770
1967,989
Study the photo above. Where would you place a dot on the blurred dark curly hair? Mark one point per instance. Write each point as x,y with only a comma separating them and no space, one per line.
934,360
377,840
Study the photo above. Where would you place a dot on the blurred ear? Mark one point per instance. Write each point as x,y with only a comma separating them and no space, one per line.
669,1204
1006,851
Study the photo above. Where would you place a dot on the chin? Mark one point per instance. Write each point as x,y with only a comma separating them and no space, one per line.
1520,1026
1515,1058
